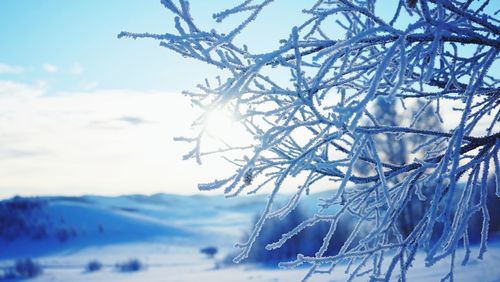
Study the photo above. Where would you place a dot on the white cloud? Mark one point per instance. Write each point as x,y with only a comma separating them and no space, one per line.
52,145
76,69
16,92
100,142
50,68
87,85
10,69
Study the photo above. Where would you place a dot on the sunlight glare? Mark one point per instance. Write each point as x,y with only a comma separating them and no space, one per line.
220,124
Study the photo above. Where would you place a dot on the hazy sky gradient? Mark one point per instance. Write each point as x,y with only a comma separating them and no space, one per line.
82,112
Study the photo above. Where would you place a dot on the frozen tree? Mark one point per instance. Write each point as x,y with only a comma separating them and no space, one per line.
309,106
394,149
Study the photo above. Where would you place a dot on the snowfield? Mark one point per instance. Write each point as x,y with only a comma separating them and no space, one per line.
166,232
173,263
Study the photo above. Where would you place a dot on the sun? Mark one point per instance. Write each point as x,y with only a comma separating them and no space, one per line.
221,124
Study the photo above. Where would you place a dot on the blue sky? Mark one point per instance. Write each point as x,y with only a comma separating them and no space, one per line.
82,112
67,33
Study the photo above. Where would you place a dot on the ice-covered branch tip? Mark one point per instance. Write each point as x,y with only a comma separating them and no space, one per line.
399,114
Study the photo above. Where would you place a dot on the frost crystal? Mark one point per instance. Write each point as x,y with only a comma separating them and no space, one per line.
361,110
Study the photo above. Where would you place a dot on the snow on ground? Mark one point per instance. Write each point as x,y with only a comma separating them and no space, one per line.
183,263
166,232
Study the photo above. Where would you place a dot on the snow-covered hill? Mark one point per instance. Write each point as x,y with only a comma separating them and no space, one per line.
48,225
165,233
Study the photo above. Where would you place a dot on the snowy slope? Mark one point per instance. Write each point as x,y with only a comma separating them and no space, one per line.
73,224
165,232
69,224
169,263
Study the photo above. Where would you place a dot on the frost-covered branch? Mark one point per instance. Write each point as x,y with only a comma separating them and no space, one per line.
388,111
